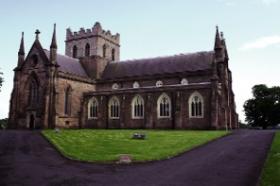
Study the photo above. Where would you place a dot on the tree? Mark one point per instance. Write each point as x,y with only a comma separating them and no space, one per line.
1,80
264,108
3,123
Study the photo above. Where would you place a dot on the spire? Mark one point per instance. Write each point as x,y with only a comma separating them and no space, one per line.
21,52
37,34
218,42
53,47
21,48
53,44
224,44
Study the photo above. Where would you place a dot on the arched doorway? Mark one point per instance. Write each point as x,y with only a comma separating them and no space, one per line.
31,122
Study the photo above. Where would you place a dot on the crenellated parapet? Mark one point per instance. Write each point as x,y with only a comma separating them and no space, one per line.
96,30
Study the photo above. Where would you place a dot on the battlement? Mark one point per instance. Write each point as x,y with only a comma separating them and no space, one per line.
96,30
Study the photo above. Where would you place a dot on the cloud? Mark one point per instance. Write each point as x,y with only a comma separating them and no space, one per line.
262,42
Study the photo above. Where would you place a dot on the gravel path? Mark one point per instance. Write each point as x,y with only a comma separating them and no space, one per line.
27,159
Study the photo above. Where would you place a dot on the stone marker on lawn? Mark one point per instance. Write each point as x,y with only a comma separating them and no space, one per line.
139,136
57,130
124,159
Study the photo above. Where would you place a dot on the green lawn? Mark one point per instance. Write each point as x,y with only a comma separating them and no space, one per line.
271,172
107,145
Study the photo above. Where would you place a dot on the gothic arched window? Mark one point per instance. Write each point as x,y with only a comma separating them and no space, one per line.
75,51
33,92
92,108
196,105
87,50
114,108
113,54
137,107
164,106
104,50
67,101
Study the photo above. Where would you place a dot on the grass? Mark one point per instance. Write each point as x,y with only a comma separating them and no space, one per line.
271,171
106,145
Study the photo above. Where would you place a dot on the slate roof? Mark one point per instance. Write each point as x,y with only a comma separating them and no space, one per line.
68,65
161,65
141,67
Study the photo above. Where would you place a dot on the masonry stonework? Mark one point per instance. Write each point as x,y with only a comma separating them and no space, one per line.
186,91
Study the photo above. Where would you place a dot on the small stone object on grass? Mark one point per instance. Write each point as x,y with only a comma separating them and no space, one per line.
139,136
57,130
124,159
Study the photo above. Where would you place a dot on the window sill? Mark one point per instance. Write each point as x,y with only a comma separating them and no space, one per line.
95,118
196,117
164,117
114,118
137,118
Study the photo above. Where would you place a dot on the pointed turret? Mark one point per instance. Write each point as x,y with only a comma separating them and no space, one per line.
224,45
53,47
21,48
218,42
53,44
97,28
21,51
218,48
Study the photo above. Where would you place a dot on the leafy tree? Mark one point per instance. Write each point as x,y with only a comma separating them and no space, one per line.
1,80
3,123
264,108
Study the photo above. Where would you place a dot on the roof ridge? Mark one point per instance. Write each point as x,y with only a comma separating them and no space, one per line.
180,63
161,57
62,55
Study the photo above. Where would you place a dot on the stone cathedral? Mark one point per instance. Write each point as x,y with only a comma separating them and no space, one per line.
89,87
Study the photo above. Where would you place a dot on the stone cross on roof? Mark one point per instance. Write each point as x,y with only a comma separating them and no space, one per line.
37,34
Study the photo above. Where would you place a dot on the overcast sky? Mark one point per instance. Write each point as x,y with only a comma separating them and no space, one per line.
154,28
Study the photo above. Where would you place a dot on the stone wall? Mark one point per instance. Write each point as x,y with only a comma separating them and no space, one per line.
151,81
179,119
96,38
21,108
78,88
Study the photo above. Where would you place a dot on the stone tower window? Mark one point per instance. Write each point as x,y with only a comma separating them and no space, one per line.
87,50
137,107
67,101
164,106
113,54
114,108
75,51
196,105
92,108
104,50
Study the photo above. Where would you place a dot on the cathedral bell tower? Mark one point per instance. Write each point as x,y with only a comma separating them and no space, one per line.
94,48
93,42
